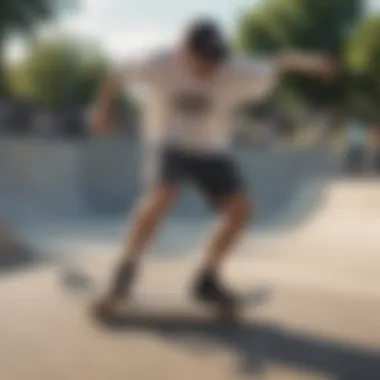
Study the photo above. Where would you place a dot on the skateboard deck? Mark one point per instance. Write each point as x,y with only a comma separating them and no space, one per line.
146,309
151,309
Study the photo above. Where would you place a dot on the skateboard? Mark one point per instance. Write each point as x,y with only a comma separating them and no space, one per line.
172,308
157,308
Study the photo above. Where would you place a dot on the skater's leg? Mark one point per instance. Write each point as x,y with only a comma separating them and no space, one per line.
235,211
164,182
221,182
234,214
148,217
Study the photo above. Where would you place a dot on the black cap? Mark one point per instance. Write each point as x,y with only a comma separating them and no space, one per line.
205,39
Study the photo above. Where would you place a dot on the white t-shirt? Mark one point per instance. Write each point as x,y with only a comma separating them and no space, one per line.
190,112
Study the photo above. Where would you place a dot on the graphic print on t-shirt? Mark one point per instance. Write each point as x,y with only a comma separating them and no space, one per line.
191,109
191,104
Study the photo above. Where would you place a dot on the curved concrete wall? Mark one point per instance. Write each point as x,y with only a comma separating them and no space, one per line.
39,176
104,177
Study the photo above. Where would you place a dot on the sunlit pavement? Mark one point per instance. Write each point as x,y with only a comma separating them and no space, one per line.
320,323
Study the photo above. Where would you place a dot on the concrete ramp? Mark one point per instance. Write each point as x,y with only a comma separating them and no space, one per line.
285,183
348,205
39,178
42,180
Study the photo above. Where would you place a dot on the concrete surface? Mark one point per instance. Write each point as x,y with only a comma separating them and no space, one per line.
321,323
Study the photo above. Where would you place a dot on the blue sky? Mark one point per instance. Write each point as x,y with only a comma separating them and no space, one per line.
132,27
128,27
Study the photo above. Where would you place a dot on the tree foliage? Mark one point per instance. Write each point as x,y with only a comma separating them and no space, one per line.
362,60
23,16
58,72
321,25
318,26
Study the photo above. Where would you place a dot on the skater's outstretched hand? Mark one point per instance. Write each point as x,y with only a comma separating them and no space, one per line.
99,120
308,63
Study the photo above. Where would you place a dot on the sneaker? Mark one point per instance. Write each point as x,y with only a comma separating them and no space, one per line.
209,289
123,280
120,290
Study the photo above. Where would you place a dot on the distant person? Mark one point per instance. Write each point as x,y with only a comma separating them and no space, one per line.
356,145
324,123
376,148
194,87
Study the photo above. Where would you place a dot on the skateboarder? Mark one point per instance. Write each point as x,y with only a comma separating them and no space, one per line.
193,90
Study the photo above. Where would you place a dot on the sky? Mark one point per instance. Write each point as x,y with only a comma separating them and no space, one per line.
128,28
131,27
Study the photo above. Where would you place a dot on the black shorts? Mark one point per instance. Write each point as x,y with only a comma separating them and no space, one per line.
215,175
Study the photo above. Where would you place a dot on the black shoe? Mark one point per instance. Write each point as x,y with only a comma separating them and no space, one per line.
123,281
208,289
119,291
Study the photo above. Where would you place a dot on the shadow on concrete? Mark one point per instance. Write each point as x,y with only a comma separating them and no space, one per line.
259,345
15,254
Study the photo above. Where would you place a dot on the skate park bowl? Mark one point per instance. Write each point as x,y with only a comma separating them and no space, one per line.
104,178
62,190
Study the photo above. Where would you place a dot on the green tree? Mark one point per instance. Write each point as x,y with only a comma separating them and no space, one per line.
58,72
65,74
363,62
22,16
322,25
303,24
269,27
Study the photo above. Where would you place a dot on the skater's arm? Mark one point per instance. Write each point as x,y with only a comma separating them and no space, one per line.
129,74
255,78
110,88
304,63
